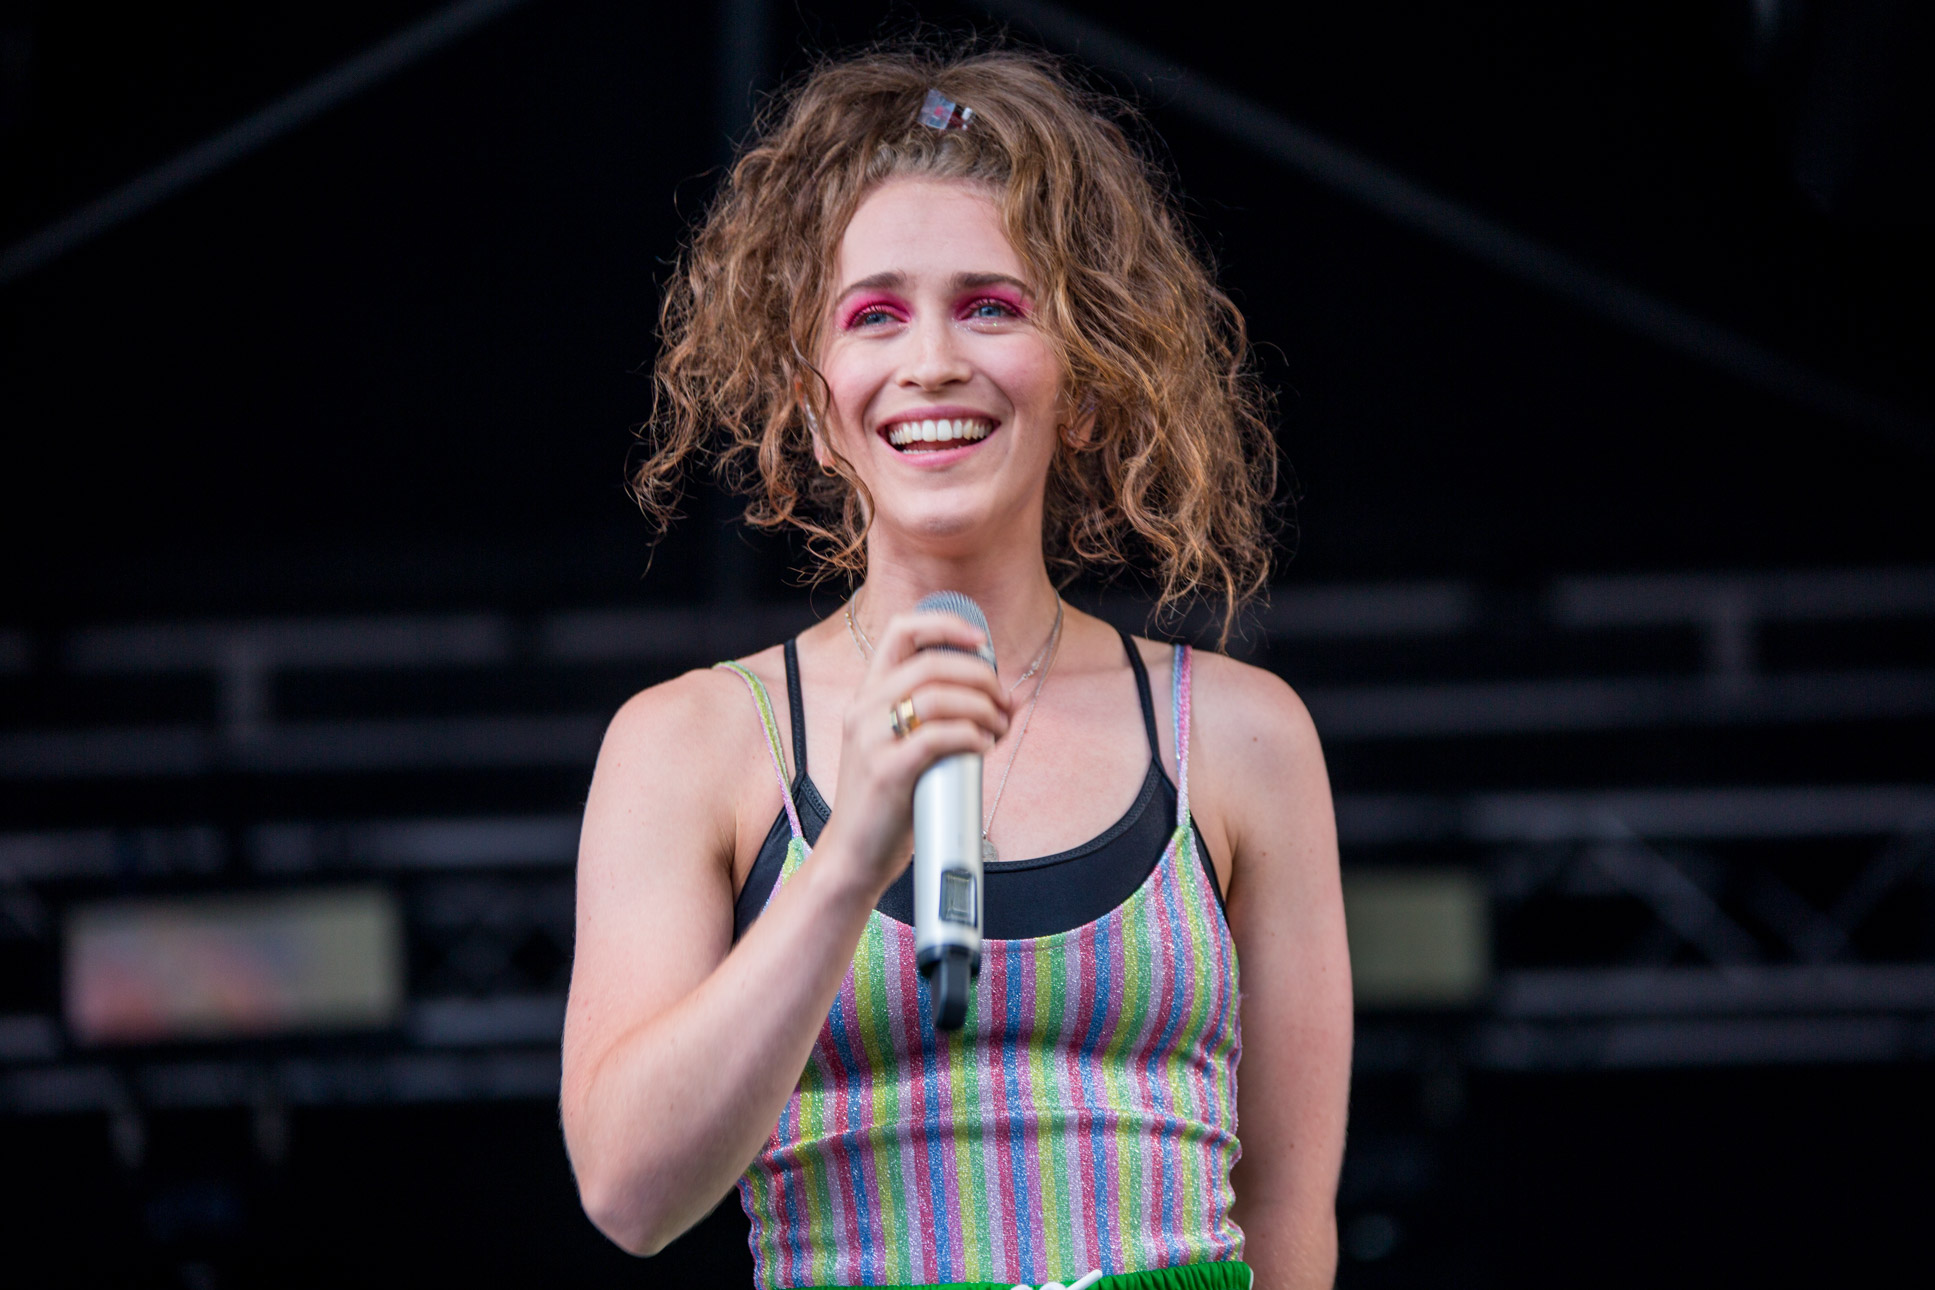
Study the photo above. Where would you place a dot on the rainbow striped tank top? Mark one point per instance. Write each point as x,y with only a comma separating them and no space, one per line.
1083,1117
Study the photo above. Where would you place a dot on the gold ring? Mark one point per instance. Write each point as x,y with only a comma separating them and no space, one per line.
904,721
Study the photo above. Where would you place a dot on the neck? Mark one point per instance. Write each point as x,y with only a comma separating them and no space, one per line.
1015,594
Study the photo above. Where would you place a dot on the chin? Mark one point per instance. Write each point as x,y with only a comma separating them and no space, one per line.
962,525
948,526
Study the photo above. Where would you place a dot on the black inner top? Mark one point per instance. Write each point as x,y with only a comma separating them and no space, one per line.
1025,898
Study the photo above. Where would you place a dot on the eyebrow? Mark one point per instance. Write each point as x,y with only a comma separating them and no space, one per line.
894,280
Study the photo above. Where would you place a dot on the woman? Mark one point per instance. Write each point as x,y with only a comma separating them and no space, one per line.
945,321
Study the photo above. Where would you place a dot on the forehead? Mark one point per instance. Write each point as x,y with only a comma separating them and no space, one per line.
925,229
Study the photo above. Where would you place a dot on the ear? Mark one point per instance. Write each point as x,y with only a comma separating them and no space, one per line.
821,453
1078,431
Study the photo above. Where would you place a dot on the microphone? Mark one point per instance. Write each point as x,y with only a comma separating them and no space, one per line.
947,855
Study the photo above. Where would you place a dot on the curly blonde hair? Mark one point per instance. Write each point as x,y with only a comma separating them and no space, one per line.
1177,477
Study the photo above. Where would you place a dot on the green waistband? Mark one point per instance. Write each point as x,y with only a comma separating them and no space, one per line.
1199,1276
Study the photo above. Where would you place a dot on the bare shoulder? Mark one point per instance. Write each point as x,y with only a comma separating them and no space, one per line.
691,716
1243,710
684,716
674,764
667,816
1260,790
1238,709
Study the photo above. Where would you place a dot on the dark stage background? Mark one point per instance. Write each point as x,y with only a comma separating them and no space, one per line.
1602,343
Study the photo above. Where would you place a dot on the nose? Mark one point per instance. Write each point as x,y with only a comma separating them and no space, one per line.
934,359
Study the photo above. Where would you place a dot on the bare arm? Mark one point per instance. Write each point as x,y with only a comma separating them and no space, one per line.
1286,910
680,1049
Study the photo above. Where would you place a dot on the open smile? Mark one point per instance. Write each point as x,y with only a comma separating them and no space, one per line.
936,434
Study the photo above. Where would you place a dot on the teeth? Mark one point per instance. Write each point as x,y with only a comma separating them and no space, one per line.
946,431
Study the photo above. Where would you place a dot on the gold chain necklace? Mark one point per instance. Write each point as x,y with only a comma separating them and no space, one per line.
864,645
988,854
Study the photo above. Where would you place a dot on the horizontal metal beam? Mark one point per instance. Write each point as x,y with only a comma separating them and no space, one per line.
1455,710
408,641
95,1085
1713,814
1735,1041
68,854
1645,600
679,635
1339,612
497,1021
291,848
1707,992
298,748
490,1022
488,843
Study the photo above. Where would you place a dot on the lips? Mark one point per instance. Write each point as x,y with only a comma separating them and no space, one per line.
936,433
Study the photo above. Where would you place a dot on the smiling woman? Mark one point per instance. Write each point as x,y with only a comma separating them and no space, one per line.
1177,469
956,347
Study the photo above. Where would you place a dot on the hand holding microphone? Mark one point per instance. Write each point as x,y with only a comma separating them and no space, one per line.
930,695
947,854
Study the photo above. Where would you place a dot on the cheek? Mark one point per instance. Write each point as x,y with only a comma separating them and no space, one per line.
849,387
849,417
1033,379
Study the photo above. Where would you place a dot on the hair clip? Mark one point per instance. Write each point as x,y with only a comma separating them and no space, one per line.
940,112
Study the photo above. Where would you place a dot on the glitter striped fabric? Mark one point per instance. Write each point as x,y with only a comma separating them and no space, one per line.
1083,1117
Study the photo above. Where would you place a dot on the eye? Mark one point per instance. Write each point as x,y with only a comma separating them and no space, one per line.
873,313
991,308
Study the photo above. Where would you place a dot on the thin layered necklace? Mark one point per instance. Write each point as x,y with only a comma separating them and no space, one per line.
1044,663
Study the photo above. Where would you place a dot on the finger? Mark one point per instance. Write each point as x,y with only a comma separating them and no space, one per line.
940,667
933,740
953,703
909,633
876,719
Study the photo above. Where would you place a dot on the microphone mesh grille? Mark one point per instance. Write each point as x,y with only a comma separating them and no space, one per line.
953,602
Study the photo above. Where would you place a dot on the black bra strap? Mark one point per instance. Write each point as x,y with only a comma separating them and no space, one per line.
797,705
1142,693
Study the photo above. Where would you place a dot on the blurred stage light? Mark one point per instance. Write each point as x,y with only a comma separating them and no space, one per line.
218,967
1418,937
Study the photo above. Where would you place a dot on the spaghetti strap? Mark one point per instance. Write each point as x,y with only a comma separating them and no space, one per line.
796,705
1142,694
765,705
1180,686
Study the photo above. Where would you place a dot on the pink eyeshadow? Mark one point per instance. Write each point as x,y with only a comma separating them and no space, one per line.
1014,302
886,304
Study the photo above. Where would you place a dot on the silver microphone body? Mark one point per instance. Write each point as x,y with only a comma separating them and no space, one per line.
947,856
